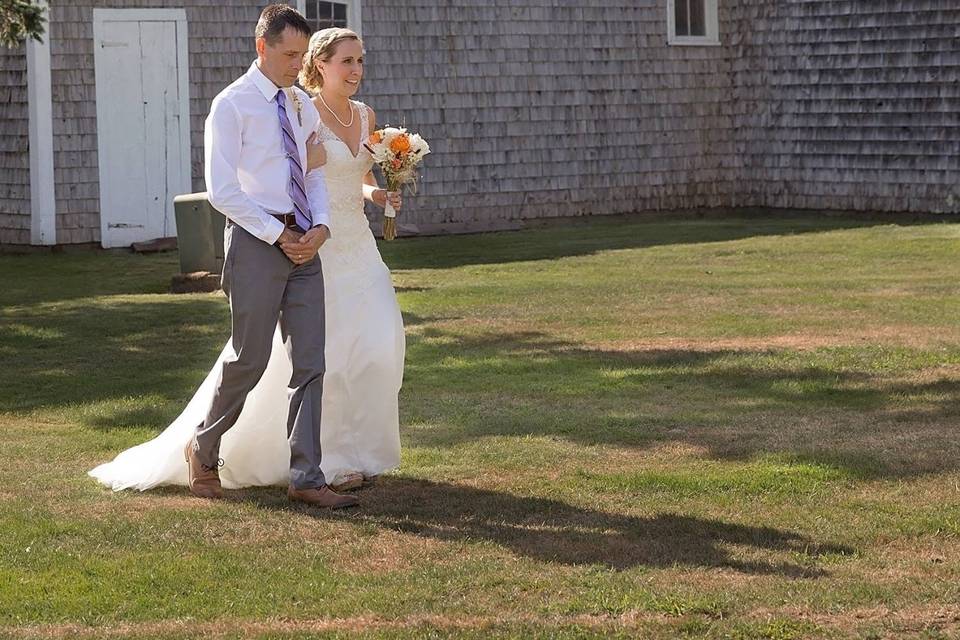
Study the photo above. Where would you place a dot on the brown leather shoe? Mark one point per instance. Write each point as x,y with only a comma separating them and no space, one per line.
204,481
322,497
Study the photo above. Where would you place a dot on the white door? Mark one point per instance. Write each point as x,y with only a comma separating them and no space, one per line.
143,136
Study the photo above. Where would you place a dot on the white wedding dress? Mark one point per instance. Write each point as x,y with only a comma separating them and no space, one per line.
364,356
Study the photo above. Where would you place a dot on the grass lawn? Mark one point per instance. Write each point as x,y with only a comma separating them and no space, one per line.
716,428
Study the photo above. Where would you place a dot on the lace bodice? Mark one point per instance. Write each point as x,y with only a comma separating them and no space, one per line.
344,174
351,250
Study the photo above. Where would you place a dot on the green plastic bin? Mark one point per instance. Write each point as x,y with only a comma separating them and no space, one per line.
199,233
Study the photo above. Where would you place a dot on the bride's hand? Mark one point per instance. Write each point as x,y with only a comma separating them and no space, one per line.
381,195
316,153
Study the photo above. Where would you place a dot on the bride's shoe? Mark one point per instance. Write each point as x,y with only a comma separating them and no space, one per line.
347,482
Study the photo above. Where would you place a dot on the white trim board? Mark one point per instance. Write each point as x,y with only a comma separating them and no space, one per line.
43,201
126,15
355,17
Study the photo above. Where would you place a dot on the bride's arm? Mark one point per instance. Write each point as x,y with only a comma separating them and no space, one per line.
317,197
316,153
371,190
314,182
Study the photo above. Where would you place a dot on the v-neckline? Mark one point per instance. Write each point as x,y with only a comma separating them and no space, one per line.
344,142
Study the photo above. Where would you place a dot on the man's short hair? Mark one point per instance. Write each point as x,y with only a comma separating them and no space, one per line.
277,17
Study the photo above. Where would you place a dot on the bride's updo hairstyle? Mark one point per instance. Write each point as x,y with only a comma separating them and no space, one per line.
323,44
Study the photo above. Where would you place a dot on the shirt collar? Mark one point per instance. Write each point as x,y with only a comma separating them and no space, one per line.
262,82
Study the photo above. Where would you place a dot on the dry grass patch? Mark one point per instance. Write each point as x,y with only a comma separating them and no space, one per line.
876,621
903,336
425,625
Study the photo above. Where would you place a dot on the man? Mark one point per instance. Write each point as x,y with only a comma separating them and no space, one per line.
255,154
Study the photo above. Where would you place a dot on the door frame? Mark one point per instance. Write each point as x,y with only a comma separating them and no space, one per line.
179,16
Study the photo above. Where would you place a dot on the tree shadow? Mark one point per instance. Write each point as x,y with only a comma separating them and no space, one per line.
121,362
734,403
415,320
56,277
115,361
596,234
552,531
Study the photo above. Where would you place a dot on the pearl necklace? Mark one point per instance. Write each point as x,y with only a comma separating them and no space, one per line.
345,125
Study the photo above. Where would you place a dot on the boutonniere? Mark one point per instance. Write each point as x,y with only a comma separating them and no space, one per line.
297,105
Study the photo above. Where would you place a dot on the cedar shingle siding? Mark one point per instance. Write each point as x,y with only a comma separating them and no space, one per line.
536,110
14,148
847,104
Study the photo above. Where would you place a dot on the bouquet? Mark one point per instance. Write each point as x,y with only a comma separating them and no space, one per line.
398,153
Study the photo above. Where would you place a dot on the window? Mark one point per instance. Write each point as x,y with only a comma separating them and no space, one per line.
322,15
692,22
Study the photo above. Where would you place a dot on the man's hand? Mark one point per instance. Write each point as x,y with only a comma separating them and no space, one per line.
305,247
315,237
289,242
288,235
316,153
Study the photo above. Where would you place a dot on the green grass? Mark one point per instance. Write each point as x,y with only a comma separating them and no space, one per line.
691,428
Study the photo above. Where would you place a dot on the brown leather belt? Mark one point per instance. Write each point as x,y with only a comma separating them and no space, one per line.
289,221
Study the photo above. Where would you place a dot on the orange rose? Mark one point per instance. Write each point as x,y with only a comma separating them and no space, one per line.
376,137
400,144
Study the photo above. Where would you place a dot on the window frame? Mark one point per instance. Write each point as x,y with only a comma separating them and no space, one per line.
711,20
354,13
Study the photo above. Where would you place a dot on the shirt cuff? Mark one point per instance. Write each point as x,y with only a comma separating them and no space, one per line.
325,224
273,231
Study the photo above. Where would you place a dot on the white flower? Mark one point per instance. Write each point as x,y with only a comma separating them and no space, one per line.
389,133
419,145
381,154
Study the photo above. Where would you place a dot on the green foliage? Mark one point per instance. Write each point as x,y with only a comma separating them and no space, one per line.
20,20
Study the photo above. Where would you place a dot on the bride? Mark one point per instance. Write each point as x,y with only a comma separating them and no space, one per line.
359,433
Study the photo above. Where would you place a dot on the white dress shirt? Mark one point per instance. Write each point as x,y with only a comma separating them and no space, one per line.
245,167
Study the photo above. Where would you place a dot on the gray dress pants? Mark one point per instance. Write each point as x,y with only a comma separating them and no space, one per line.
263,286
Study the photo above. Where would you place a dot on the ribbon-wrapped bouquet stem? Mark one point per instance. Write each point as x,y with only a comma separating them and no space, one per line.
397,152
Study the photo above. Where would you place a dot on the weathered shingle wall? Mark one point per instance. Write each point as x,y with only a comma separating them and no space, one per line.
220,47
14,148
845,104
535,110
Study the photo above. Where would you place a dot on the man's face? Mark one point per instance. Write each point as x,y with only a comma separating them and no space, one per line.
281,61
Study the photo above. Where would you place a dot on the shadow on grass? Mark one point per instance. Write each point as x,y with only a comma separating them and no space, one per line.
831,408
64,347
56,277
85,356
839,407
598,234
553,531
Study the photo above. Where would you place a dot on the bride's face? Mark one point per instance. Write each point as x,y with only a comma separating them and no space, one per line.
344,70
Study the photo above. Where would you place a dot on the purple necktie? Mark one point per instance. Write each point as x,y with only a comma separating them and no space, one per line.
296,188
